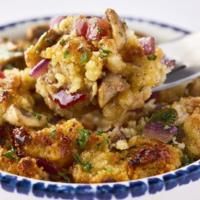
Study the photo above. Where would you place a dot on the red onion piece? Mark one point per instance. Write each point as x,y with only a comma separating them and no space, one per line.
47,166
66,100
148,45
40,69
159,131
55,21
169,63
81,27
154,95
97,29
92,28
2,74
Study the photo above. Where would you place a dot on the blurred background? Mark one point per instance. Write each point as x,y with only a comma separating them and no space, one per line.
183,13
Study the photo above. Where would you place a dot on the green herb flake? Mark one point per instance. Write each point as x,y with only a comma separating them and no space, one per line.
37,115
84,58
99,132
152,57
104,53
85,165
83,138
62,42
108,169
66,54
99,30
11,154
77,158
64,176
186,160
53,133
167,116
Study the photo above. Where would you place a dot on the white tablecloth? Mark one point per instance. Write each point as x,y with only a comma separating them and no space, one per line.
184,13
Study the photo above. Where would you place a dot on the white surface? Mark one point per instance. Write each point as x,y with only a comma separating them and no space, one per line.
185,50
184,13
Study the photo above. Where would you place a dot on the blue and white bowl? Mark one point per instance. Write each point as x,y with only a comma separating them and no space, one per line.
181,184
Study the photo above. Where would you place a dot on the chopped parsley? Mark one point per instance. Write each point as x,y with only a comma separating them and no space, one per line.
186,160
37,115
53,133
151,57
83,138
84,58
77,158
64,176
167,116
104,53
99,132
108,169
100,30
86,166
66,54
62,42
11,154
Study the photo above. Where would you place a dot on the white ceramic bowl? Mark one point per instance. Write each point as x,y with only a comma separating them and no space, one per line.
179,184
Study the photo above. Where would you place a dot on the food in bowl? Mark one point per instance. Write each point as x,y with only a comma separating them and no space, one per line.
77,104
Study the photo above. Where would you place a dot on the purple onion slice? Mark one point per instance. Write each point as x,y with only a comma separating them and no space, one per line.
148,45
170,63
47,166
66,100
40,69
56,20
2,74
159,131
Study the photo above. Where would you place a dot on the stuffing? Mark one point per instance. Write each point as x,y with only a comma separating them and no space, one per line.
149,158
98,164
76,104
16,100
26,166
56,144
191,129
96,63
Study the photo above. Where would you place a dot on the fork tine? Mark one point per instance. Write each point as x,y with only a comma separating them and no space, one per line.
181,75
177,68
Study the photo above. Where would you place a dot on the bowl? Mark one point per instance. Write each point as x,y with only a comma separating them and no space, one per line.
178,184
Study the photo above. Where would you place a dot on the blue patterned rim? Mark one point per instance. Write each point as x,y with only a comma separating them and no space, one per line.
103,191
138,19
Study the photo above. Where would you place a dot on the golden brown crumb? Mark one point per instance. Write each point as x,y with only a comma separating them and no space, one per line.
98,164
150,158
24,167
56,144
191,129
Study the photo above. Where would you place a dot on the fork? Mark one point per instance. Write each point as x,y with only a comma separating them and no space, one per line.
186,51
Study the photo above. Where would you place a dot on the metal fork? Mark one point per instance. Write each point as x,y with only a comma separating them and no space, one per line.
187,51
